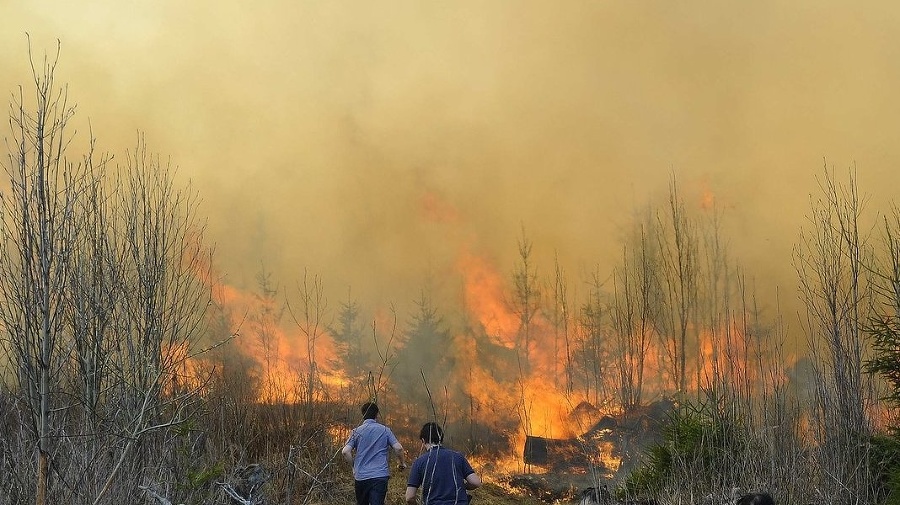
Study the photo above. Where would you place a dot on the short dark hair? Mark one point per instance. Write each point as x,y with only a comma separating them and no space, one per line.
369,410
431,433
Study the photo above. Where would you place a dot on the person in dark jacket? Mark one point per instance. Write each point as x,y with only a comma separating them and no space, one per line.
444,475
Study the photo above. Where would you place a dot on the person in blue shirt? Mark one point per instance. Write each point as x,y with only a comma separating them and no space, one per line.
444,475
367,448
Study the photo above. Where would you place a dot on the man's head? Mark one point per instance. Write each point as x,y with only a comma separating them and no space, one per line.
369,410
431,433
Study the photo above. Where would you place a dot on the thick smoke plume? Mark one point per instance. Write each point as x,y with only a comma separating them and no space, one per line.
384,147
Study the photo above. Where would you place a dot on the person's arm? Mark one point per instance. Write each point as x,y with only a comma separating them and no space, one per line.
347,451
411,495
473,481
400,454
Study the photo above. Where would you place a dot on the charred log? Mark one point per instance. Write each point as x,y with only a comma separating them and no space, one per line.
553,452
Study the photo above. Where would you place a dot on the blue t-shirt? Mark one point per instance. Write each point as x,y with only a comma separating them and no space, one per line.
441,474
371,441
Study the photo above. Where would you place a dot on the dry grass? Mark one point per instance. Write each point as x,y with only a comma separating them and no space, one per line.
488,494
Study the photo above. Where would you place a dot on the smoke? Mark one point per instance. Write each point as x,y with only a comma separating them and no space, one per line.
371,143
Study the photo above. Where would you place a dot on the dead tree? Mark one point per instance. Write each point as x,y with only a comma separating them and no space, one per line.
39,225
678,248
104,286
93,285
830,261
635,308
310,320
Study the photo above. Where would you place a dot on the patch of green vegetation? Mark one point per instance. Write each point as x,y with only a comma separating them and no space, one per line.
698,443
884,457
202,477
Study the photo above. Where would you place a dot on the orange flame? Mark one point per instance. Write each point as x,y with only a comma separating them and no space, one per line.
483,296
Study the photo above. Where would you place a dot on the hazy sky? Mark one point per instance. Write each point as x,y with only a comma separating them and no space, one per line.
371,141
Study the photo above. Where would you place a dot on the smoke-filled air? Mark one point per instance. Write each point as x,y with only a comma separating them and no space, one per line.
622,251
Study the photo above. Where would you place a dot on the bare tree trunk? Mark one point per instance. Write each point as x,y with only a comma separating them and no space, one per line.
38,227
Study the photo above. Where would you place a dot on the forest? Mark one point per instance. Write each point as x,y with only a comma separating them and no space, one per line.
131,373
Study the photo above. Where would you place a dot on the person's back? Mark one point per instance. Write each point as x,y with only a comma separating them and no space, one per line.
444,475
371,442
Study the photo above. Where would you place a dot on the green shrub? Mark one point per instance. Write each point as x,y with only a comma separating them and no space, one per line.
699,445
884,457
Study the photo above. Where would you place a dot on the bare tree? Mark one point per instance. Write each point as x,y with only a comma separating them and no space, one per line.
714,300
263,324
678,247
561,326
39,225
94,283
526,298
387,358
163,303
312,324
635,308
830,263
592,344
104,287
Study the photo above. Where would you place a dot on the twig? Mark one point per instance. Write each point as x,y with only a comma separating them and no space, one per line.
430,397
233,494
161,499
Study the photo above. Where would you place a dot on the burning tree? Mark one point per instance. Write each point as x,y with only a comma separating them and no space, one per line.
526,300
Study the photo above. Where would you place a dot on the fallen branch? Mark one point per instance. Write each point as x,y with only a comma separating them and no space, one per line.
161,499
